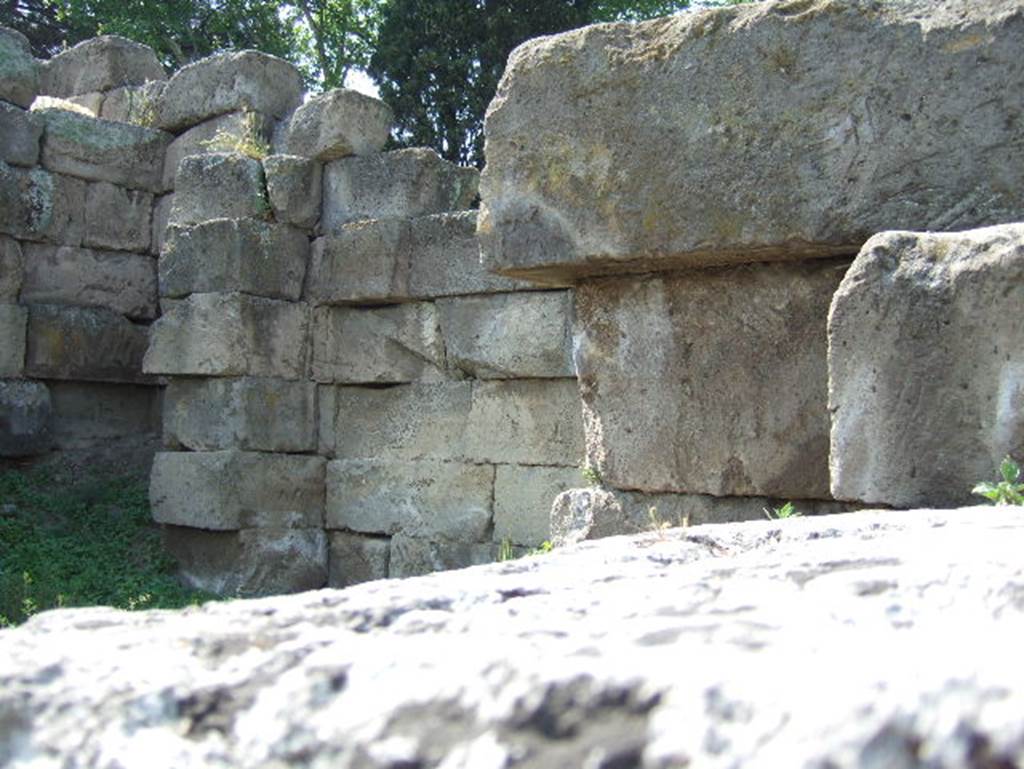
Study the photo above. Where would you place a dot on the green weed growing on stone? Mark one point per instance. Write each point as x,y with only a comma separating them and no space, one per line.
248,142
787,510
591,474
141,108
543,548
1008,491
506,552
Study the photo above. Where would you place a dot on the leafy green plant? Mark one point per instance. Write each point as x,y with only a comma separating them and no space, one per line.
1008,491
248,141
591,474
787,510
543,548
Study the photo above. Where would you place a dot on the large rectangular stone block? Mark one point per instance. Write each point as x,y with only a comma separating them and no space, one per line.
22,132
117,218
223,255
926,369
353,559
425,498
84,277
710,381
99,64
387,344
12,269
19,70
756,132
338,123
219,185
91,344
227,490
230,335
294,187
522,501
87,414
214,135
509,336
254,414
13,324
25,416
413,556
36,205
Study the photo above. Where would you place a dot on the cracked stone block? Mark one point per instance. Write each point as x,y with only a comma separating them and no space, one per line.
338,123
22,132
220,185
99,64
117,218
353,559
25,412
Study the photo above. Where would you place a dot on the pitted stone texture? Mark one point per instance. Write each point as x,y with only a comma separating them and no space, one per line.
22,132
220,185
229,82
84,277
413,556
338,123
230,335
250,562
228,490
429,499
25,415
926,369
384,345
354,559
294,187
571,659
13,324
117,218
91,344
136,104
522,501
19,71
255,414
89,414
36,205
161,218
99,64
213,136
799,131
101,150
223,255
509,336
405,184
12,269
710,382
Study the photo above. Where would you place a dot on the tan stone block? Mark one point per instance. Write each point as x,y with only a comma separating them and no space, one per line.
99,64
337,123
294,187
219,185
212,136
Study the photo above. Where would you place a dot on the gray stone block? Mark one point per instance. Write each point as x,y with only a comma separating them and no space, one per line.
414,556
99,64
25,412
161,217
215,135
522,501
90,414
338,123
12,269
19,71
135,104
353,559
254,414
13,325
220,185
294,187
36,205
91,102
117,218
22,132
228,490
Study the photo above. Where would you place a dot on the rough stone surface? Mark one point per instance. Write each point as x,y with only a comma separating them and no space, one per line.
99,64
926,369
250,562
354,558
90,278
229,82
220,185
89,414
386,345
704,647
413,556
90,344
161,218
522,501
228,490
117,218
709,382
92,102
752,133
13,324
36,205
19,71
509,336
230,335
428,499
222,255
294,186
213,136
101,150
338,123
22,132
404,183
25,411
12,269
254,414
136,104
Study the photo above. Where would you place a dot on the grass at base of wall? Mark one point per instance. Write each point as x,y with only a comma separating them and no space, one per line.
91,542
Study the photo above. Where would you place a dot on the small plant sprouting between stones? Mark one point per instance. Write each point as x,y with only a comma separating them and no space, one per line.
1008,491
505,551
660,525
591,474
249,141
787,510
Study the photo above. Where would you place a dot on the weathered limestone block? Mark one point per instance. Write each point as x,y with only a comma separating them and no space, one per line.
214,136
161,218
228,490
101,150
88,413
404,183
220,185
509,336
387,344
251,562
90,278
117,218
926,369
230,335
136,104
19,71
229,82
36,205
353,559
426,498
522,501
13,324
710,382
89,344
222,255
254,414
294,188
12,269
22,131
751,133
338,123
25,412
413,556
99,64
91,102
